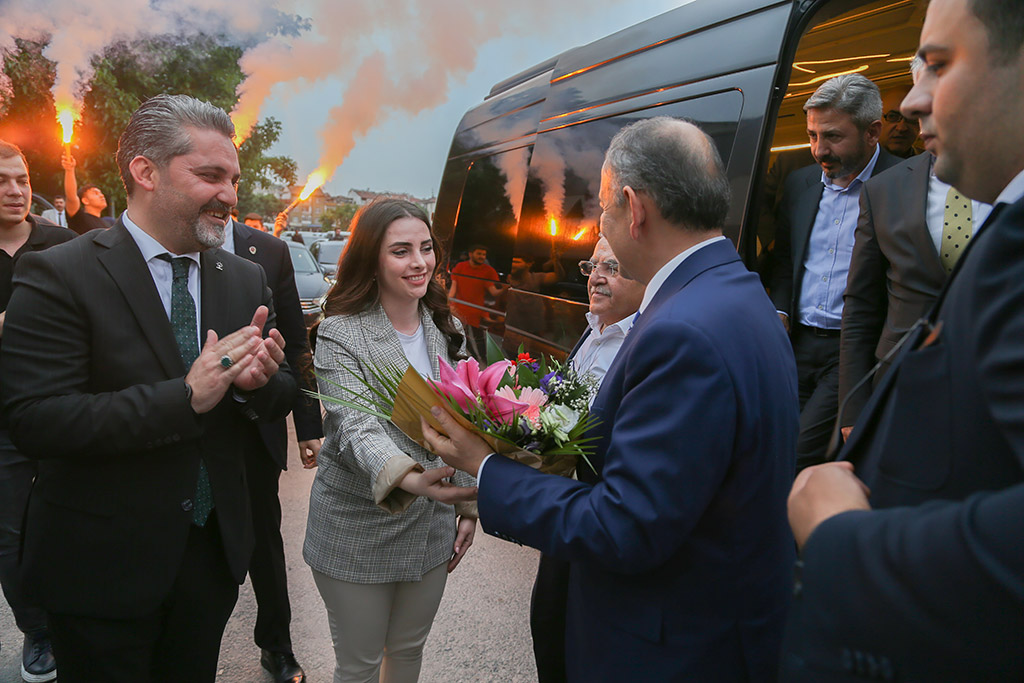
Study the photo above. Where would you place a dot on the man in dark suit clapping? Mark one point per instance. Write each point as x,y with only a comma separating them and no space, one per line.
134,359
915,571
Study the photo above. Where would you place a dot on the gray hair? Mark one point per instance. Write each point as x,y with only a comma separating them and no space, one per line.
916,64
157,131
685,180
850,93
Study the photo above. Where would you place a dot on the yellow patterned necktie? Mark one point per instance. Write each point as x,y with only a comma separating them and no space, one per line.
957,228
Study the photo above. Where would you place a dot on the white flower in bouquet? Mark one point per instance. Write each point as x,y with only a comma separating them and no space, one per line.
559,420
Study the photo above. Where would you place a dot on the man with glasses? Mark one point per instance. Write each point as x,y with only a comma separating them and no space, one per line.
614,301
898,132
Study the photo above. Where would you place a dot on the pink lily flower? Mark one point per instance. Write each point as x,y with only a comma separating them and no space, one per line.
466,384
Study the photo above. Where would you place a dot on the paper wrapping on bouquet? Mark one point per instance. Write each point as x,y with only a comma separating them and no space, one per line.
414,400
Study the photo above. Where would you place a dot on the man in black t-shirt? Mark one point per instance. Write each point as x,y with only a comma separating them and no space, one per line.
85,204
20,233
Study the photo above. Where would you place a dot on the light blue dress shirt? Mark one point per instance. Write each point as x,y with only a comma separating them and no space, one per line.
829,249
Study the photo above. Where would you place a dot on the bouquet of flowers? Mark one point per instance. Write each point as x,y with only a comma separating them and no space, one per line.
534,411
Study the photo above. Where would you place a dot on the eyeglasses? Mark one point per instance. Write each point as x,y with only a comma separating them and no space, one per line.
606,268
894,116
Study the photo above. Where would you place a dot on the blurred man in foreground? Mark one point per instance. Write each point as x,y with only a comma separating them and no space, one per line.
915,571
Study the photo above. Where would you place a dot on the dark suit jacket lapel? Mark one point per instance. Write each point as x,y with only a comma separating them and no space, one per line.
710,256
913,193
215,287
803,222
123,260
242,242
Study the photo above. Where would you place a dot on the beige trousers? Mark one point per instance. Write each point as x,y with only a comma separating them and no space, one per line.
379,629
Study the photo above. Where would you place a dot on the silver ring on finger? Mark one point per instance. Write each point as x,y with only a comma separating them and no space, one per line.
226,362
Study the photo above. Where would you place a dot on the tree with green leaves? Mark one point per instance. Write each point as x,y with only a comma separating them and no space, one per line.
338,217
125,75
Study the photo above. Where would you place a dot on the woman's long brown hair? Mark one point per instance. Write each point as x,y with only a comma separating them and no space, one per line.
355,289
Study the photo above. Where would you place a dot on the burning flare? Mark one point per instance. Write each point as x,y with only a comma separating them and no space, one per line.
66,118
554,227
578,236
315,180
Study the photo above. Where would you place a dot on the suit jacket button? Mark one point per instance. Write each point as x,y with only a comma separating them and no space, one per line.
186,505
176,438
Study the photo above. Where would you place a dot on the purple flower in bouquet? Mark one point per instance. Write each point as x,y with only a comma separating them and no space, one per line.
549,382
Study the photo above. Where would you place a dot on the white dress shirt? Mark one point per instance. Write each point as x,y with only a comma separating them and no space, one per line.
1013,192
598,350
162,272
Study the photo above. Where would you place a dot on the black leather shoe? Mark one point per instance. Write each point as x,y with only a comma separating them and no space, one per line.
282,666
37,662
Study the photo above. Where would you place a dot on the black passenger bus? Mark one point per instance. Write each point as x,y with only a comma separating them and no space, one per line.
523,171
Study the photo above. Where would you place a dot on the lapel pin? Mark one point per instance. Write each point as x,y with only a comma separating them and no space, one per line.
252,250
218,265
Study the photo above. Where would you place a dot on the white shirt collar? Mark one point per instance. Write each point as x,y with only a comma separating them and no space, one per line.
1013,192
229,237
862,176
659,278
622,325
147,244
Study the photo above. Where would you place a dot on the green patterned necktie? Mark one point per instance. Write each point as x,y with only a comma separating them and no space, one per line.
183,322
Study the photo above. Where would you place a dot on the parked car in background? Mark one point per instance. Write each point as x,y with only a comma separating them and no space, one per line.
310,281
327,253
39,204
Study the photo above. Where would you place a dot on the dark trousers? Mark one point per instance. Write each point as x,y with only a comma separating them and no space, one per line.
267,568
16,476
179,642
547,618
817,367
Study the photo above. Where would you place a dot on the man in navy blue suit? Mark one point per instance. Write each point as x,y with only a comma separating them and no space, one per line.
915,571
680,555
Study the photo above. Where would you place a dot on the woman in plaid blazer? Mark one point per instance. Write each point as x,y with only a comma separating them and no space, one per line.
382,533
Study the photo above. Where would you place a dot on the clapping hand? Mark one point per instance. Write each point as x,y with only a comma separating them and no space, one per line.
242,359
268,356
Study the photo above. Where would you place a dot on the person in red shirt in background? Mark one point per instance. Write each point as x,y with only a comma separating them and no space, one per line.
472,281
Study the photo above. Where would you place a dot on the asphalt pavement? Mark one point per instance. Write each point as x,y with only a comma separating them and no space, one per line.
481,633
